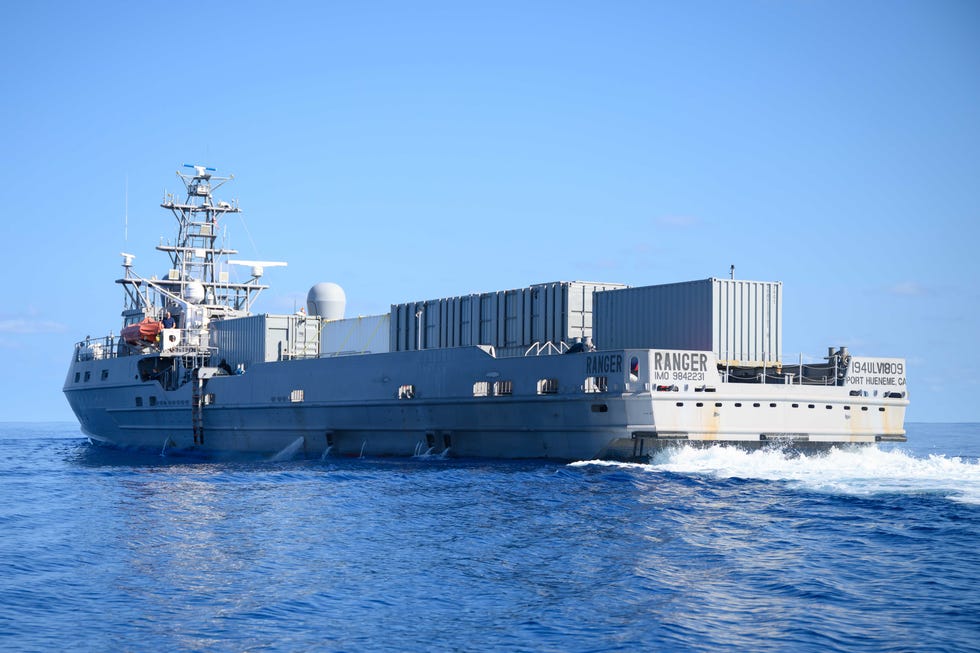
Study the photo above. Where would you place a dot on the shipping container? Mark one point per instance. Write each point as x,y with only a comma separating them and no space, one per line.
356,335
740,321
263,338
508,320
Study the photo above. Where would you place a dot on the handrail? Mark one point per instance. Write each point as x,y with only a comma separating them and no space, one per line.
548,348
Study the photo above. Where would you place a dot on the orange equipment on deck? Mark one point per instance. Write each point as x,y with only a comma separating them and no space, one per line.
145,331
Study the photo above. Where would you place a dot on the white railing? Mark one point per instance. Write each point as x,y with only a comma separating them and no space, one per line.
794,374
548,348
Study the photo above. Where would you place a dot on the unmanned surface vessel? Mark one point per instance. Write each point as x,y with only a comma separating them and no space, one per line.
564,370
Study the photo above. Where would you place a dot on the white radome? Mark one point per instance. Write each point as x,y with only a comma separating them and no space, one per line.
327,300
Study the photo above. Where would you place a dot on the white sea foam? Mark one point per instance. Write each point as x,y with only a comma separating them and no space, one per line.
857,471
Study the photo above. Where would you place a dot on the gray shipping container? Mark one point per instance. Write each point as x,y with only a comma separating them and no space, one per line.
264,338
548,312
740,321
355,335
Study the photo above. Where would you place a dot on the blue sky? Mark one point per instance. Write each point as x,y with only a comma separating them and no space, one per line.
418,150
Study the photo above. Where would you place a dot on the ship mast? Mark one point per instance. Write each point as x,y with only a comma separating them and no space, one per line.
197,281
196,273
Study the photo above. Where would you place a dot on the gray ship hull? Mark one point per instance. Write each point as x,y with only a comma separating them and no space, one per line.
466,402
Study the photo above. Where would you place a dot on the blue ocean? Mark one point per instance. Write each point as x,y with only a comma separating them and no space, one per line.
700,550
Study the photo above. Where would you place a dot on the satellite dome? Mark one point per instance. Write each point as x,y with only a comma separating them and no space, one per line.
326,300
194,292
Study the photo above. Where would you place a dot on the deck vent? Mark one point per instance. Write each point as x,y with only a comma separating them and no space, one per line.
406,391
596,384
547,386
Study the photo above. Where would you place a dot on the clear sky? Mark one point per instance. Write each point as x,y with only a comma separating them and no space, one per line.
415,150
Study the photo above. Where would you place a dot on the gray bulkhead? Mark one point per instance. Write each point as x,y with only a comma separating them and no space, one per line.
395,403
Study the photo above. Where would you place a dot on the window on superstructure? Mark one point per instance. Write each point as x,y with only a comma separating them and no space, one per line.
596,384
105,374
78,375
88,375
139,401
634,369
153,401
547,386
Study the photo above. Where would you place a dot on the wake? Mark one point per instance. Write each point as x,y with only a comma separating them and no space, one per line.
853,471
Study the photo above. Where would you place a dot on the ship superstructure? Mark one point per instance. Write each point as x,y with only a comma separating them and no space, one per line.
568,370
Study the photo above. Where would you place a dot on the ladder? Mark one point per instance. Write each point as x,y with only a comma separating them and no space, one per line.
197,410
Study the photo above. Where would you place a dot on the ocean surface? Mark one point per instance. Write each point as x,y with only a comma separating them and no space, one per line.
699,550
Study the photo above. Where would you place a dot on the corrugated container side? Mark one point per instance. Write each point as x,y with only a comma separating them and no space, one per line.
263,338
575,309
508,319
738,320
487,317
669,316
747,324
366,334
579,316
291,336
240,340
465,321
